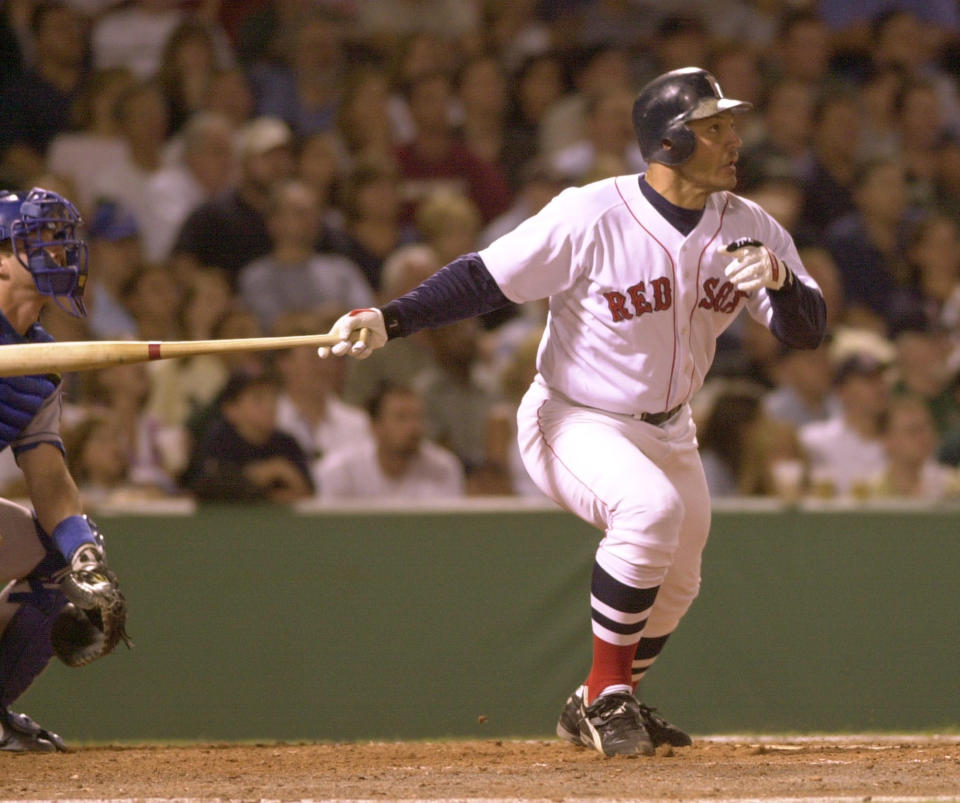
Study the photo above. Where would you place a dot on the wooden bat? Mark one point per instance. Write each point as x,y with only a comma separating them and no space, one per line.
19,359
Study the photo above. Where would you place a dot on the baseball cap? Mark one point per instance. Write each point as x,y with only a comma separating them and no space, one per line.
858,364
112,221
263,134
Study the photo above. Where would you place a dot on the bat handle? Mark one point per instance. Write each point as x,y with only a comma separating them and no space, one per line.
363,336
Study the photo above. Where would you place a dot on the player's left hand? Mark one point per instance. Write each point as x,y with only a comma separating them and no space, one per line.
754,266
94,622
348,327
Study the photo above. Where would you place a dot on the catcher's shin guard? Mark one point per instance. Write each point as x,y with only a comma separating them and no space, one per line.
25,648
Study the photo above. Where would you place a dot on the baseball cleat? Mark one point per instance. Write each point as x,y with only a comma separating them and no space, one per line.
661,731
568,726
613,726
20,734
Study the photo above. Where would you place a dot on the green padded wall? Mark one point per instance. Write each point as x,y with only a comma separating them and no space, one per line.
262,623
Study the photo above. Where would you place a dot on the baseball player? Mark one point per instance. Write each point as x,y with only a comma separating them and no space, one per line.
642,272
56,593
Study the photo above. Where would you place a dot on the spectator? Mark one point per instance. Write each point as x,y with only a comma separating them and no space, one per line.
680,40
403,270
113,238
206,169
398,463
242,456
231,230
923,370
879,91
449,222
847,450
456,406
481,91
911,470
385,23
302,88
142,118
310,407
538,83
594,70
804,391
134,35
802,49
188,62
94,141
98,461
539,183
933,251
437,158
154,452
782,144
230,93
152,295
371,204
828,172
869,244
320,163
183,388
293,277
774,463
363,116
898,39
36,103
922,133
722,435
609,145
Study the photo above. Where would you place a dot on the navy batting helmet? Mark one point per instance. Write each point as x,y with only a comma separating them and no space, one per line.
665,105
41,227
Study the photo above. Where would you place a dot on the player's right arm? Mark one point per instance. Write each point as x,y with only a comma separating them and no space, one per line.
531,262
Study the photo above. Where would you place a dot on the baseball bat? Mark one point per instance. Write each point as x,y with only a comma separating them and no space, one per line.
19,359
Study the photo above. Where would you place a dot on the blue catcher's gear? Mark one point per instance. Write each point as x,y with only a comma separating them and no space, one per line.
20,399
665,106
42,229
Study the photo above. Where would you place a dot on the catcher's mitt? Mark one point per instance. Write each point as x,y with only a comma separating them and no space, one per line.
94,622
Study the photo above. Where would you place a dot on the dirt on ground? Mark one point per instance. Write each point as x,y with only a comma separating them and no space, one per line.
864,767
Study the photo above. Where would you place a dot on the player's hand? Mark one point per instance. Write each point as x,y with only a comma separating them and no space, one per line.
348,326
754,266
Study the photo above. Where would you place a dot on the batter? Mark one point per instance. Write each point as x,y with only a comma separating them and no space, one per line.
642,272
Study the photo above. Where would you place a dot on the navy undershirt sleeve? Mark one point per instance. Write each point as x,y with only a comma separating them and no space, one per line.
799,315
462,289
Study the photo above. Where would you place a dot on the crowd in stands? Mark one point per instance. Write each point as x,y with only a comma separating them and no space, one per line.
257,167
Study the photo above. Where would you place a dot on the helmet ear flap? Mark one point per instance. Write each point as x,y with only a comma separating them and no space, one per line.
682,142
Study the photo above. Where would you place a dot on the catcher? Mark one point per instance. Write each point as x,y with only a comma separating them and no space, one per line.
57,595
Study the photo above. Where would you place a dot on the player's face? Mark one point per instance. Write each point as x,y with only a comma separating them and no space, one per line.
713,165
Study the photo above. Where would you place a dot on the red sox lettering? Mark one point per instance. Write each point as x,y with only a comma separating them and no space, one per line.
637,300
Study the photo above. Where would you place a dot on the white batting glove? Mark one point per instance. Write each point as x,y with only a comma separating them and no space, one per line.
754,266
347,328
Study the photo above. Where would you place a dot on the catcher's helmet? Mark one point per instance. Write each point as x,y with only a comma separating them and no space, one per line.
665,105
42,229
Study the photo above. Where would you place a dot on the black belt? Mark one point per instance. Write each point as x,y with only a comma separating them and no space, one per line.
659,418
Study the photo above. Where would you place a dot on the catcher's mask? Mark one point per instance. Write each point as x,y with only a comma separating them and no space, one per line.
41,226
665,106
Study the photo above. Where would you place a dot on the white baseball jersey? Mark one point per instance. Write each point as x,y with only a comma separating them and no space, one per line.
635,306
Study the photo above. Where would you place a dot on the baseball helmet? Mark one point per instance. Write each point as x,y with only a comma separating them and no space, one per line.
665,106
42,229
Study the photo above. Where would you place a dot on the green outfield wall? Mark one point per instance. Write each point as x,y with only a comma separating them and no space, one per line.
265,623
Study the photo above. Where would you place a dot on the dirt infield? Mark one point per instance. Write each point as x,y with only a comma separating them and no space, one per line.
854,768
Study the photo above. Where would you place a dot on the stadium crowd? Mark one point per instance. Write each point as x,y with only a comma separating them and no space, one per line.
256,167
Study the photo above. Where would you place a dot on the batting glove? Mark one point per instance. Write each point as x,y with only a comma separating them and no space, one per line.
347,329
754,266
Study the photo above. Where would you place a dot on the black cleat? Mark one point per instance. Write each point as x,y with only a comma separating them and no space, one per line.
661,731
613,726
568,726
20,734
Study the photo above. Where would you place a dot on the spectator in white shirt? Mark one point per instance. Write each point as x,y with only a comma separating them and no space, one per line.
847,450
398,463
